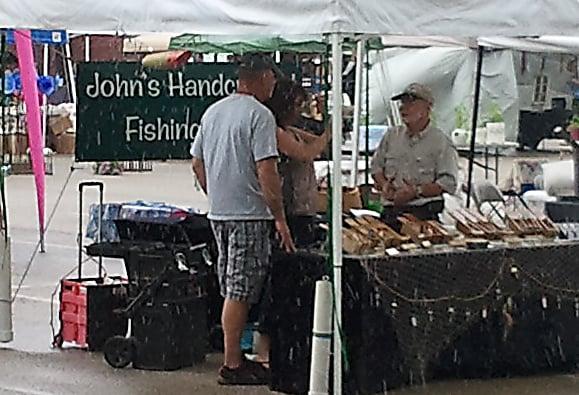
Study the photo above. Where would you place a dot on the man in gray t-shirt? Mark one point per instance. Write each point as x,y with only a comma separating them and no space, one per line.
236,132
235,161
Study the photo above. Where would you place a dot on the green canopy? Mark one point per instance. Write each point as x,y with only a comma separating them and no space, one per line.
240,45
220,44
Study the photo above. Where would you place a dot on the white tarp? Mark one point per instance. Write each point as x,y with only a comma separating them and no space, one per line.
427,41
457,18
544,44
450,73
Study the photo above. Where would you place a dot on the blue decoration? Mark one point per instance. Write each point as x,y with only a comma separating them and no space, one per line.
17,81
9,86
46,85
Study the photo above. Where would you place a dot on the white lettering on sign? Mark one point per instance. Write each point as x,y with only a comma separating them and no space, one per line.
154,88
115,86
139,130
176,85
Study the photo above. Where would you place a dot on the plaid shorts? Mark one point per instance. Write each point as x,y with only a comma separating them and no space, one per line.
244,262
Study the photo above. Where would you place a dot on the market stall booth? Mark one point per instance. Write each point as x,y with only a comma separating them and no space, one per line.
337,19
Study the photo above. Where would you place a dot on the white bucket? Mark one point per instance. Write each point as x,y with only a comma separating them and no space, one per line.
495,133
460,137
481,136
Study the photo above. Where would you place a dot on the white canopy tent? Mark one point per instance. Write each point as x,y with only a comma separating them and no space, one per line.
456,18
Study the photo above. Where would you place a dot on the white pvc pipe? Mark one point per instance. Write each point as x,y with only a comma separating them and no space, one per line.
321,339
70,68
357,111
44,122
337,203
44,97
6,334
87,48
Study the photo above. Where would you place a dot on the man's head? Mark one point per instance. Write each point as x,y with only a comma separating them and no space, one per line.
416,106
257,76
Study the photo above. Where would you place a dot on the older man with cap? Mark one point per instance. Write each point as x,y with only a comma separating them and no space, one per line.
415,163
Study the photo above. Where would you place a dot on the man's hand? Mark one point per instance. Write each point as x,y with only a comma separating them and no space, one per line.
404,194
385,185
388,191
431,190
286,241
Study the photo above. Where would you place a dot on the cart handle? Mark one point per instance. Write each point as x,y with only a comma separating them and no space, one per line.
84,184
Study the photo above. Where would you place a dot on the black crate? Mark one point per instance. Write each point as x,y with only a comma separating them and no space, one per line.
149,264
173,288
170,336
565,210
103,319
103,302
159,277
191,230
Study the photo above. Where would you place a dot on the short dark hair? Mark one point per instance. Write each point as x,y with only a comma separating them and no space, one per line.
252,64
283,99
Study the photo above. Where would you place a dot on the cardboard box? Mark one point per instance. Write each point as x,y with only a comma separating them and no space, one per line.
65,143
351,198
59,125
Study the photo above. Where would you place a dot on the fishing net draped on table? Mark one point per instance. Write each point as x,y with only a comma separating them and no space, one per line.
426,315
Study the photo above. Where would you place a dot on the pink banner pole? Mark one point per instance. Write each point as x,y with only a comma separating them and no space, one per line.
30,90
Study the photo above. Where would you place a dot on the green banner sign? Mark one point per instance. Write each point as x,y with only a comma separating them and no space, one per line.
126,112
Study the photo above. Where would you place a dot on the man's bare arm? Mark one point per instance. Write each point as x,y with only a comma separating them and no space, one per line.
199,170
270,184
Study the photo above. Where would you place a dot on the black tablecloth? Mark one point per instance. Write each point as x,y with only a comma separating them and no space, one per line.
411,318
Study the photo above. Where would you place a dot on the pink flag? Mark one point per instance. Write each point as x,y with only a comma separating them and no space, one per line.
30,90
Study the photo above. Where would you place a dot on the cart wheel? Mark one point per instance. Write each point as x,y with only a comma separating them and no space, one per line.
57,341
119,351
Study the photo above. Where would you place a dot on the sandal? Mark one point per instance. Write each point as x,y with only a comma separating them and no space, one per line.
248,373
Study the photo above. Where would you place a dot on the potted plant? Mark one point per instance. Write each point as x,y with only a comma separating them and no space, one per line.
495,125
461,133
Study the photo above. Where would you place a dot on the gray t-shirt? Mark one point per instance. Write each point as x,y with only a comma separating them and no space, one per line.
235,133
426,158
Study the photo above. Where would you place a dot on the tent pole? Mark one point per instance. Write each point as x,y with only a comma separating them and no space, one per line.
70,69
87,48
475,109
2,94
45,71
367,124
337,204
44,127
357,111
